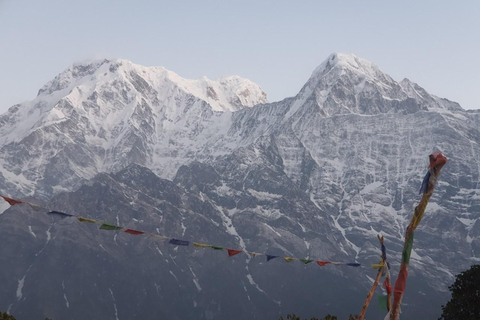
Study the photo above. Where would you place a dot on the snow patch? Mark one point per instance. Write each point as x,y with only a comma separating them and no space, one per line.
31,232
21,282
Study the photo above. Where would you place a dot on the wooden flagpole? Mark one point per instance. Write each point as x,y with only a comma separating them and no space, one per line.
437,161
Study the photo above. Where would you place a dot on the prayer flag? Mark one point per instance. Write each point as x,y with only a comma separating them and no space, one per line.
60,213
232,252
34,206
323,263
337,263
254,254
81,219
353,264
289,259
158,236
217,248
134,232
201,245
424,186
178,242
378,266
400,284
269,257
382,302
384,252
109,226
407,250
436,159
11,201
306,261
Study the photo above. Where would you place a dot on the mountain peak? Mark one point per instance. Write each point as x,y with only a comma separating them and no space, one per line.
343,62
345,83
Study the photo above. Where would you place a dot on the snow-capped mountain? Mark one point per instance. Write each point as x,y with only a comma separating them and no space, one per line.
102,115
321,173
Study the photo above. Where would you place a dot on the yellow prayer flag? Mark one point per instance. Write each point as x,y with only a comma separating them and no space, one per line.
81,219
378,266
289,259
201,245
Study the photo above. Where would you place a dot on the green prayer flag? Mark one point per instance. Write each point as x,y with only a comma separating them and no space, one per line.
109,226
382,302
407,250
306,261
217,248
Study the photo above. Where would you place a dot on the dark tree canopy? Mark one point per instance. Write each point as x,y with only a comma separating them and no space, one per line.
6,316
465,301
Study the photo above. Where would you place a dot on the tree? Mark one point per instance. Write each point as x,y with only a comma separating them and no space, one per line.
464,303
6,316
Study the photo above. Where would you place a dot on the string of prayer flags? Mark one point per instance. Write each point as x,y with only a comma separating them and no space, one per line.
109,226
437,161
60,213
178,242
11,201
232,252
306,261
134,232
201,245
269,257
81,219
382,303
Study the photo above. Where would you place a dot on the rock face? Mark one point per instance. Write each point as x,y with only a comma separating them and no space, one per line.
316,175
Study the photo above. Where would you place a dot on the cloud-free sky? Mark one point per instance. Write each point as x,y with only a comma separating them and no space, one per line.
276,44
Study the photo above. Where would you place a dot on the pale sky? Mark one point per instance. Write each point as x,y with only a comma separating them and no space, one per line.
276,44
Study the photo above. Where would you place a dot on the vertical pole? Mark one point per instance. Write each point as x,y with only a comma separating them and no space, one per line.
437,161
375,283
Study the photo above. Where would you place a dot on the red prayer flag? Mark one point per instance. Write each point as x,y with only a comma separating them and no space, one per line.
232,252
400,284
134,232
323,263
436,159
388,288
11,201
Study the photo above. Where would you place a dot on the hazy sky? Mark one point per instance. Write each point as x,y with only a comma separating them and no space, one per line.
276,44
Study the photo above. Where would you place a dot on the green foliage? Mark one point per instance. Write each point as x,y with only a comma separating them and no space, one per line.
6,316
464,303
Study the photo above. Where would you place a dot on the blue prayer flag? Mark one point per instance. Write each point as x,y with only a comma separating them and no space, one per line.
178,242
270,257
